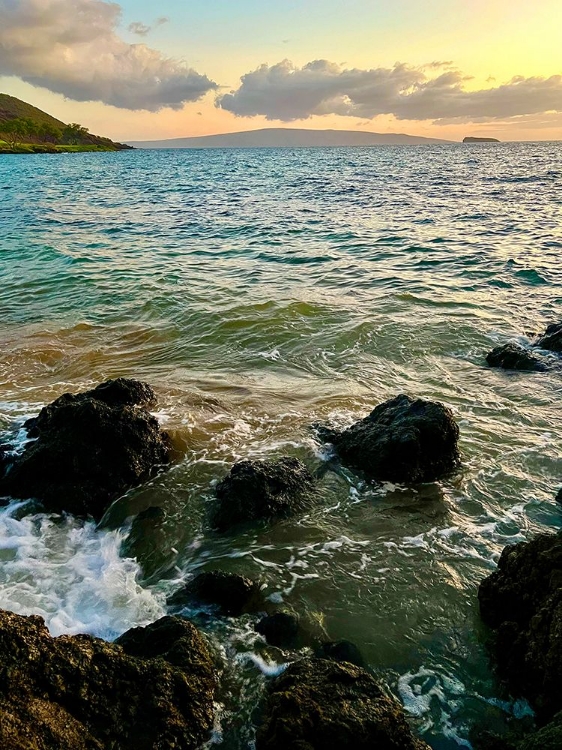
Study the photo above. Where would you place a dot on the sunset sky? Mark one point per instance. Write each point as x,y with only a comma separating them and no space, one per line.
141,69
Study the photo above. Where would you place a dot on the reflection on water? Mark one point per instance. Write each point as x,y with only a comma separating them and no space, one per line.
261,292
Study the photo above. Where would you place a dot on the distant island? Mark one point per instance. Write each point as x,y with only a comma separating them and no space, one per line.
470,139
24,129
291,138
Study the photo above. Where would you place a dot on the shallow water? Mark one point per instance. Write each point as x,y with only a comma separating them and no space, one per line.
261,292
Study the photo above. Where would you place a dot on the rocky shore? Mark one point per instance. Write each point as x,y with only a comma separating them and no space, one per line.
158,686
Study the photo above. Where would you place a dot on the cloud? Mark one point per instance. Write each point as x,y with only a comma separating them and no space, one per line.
286,92
141,29
72,47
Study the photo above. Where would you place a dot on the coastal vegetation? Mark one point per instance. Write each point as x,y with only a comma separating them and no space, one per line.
24,129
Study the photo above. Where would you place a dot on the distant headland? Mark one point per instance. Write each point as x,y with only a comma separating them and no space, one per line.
291,138
24,129
470,139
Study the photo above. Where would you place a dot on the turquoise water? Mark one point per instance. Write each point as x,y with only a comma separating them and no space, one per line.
261,291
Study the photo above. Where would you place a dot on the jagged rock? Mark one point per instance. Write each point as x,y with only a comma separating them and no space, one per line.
281,629
341,651
262,490
155,691
403,440
322,705
515,357
228,593
484,739
551,338
90,449
522,603
559,496
118,392
547,738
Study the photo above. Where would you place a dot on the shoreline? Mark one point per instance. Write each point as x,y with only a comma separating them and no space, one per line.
32,149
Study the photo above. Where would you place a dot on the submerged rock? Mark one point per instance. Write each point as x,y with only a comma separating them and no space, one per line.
404,440
321,705
152,690
515,357
262,490
341,651
522,603
281,629
90,448
230,594
149,542
551,338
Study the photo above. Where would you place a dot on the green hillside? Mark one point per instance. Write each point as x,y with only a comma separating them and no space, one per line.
44,133
12,108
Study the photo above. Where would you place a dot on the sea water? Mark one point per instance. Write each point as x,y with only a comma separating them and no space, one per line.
261,292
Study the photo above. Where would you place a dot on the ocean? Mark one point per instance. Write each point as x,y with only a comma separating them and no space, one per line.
261,292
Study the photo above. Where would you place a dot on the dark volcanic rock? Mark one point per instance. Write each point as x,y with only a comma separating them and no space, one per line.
321,705
522,602
404,440
155,691
262,490
514,357
552,338
118,392
281,629
559,496
230,594
547,738
341,651
90,449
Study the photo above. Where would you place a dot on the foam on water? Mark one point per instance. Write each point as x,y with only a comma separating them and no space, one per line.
72,575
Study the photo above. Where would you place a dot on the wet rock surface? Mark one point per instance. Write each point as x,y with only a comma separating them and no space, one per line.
515,357
155,690
403,440
228,594
281,629
321,705
341,651
522,603
552,338
262,491
90,448
547,738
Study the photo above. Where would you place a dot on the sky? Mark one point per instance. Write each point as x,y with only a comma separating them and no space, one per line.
139,70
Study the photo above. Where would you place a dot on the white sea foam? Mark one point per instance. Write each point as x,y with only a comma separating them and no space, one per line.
433,697
72,575
268,668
